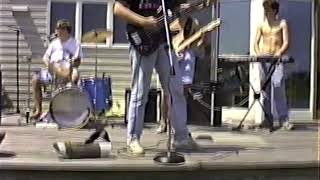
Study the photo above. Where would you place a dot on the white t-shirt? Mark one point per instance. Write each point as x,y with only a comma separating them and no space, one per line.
63,51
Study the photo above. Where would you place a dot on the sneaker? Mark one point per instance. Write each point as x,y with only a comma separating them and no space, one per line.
185,144
134,147
266,124
161,129
287,126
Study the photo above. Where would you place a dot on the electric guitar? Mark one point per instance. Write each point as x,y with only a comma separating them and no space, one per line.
147,41
207,28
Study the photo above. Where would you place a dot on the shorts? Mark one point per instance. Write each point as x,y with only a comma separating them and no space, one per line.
45,76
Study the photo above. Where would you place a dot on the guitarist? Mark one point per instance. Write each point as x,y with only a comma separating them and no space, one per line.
186,60
187,57
142,14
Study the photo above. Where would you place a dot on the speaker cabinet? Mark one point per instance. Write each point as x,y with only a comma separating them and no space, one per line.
151,109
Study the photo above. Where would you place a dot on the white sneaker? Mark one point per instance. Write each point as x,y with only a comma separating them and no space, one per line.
161,129
185,144
288,126
134,147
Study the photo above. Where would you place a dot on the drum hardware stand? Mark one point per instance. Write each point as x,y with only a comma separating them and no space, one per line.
170,157
27,113
257,96
98,127
95,77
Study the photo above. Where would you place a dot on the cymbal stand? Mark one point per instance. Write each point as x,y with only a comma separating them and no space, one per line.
95,78
27,115
17,66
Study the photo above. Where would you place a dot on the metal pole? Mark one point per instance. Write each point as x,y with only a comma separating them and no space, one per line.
214,58
29,98
0,95
17,66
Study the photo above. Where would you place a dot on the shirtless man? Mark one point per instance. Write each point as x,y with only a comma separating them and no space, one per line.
272,39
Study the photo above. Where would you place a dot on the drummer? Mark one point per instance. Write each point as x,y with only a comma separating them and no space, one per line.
62,59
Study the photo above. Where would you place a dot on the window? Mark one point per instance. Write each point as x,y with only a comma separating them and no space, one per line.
86,16
234,38
235,28
94,19
298,74
119,34
61,10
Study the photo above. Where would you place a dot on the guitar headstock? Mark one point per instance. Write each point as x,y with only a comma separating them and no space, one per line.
206,3
194,5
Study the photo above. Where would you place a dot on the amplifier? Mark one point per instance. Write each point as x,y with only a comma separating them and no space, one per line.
152,106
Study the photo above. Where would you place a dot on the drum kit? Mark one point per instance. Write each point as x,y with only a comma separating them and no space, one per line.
71,106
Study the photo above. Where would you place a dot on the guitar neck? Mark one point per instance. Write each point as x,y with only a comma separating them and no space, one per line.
194,5
196,36
189,41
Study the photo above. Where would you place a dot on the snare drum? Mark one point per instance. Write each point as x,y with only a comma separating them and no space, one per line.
70,107
99,91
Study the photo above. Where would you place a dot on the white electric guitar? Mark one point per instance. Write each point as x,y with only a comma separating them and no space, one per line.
200,33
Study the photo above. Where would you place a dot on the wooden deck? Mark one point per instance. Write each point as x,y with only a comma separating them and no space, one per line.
253,154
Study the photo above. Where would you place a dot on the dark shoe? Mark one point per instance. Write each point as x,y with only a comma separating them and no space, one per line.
266,124
185,144
35,116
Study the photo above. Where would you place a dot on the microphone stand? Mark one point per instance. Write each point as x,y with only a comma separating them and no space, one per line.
0,95
17,66
170,157
17,30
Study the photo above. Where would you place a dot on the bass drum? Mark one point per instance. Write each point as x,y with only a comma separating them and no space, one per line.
70,107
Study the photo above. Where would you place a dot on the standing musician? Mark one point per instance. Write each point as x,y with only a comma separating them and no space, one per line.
186,58
141,15
62,58
272,39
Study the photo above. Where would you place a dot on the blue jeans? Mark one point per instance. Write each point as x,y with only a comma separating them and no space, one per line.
142,69
274,96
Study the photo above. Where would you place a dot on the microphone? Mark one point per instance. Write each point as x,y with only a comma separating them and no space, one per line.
52,36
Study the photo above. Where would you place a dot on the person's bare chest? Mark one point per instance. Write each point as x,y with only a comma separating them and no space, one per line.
271,31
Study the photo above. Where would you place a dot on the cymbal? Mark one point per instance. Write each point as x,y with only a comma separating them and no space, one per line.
96,36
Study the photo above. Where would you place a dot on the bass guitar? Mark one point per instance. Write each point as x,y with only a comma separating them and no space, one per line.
147,41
